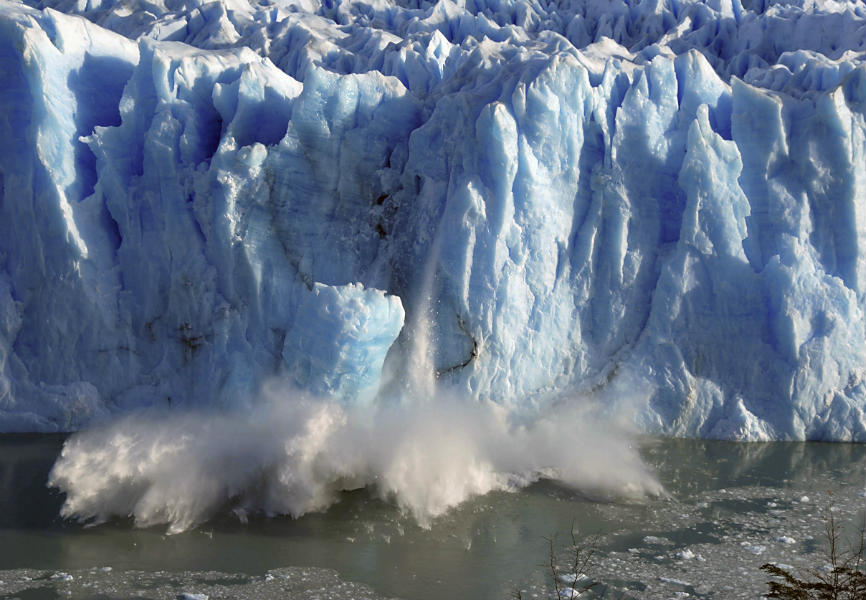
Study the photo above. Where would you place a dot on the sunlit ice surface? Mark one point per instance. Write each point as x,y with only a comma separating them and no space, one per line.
657,203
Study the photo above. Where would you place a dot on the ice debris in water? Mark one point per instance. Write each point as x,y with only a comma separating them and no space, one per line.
753,548
659,204
293,582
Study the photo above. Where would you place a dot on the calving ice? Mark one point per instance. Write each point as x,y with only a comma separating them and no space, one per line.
657,207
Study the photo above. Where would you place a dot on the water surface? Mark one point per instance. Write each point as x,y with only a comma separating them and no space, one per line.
731,508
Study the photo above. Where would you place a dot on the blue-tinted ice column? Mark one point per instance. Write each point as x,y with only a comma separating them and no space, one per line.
168,214
339,340
61,77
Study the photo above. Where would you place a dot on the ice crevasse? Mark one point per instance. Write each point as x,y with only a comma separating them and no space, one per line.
575,197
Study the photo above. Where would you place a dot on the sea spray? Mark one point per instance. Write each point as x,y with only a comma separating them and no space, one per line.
294,453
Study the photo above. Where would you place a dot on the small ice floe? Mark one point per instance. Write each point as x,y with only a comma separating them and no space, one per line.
61,576
573,578
772,504
784,539
673,581
651,539
633,551
188,596
803,499
783,566
685,555
753,548
100,569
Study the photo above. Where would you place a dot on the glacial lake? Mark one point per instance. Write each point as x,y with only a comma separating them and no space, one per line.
730,508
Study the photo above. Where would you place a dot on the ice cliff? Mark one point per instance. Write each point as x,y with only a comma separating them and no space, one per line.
659,204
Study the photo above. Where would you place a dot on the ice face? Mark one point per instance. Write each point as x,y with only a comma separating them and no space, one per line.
658,206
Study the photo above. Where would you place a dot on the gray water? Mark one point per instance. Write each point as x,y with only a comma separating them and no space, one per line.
731,508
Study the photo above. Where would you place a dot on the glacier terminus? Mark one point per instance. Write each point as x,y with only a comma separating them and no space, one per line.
658,205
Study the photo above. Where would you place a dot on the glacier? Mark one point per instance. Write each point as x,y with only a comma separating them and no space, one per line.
657,205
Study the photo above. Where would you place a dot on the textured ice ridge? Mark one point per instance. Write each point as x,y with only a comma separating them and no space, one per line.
585,197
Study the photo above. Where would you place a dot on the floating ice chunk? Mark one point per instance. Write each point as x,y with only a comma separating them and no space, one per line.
652,539
753,548
572,578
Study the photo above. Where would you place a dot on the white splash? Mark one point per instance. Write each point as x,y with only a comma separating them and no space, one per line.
294,454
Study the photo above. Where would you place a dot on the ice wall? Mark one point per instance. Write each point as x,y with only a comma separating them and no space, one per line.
657,204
